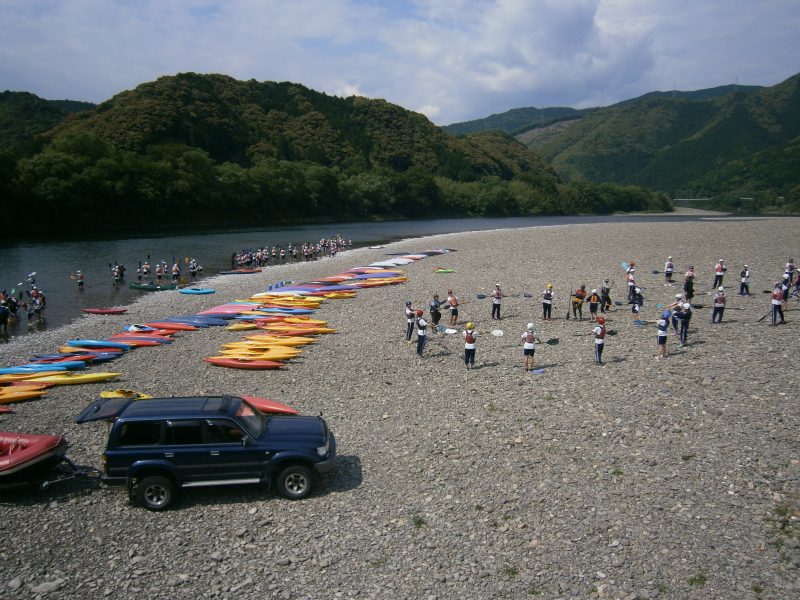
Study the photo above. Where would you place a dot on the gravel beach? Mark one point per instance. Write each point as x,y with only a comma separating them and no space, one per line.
641,478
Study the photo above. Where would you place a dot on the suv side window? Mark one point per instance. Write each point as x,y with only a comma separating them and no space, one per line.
141,433
223,432
184,433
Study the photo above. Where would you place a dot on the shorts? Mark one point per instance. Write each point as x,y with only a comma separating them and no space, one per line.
662,340
635,309
453,312
528,351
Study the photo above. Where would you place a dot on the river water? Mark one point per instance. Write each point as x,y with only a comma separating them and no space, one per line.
54,261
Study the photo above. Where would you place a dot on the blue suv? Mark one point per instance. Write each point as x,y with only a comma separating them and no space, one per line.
158,446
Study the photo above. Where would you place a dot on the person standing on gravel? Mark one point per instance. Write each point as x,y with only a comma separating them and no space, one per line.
662,325
744,286
422,325
599,339
631,283
410,317
605,296
669,269
452,304
436,314
684,316
719,273
497,295
529,339
777,304
547,302
470,337
688,284
577,302
594,302
719,305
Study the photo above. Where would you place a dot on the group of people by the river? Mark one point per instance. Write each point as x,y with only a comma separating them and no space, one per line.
675,316
29,300
279,254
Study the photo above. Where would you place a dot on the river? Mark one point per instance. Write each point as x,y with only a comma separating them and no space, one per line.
53,262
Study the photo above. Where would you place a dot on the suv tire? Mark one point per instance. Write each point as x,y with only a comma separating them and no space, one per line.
155,492
295,482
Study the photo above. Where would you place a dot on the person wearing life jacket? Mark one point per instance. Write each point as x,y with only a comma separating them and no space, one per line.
529,339
599,339
547,302
497,295
777,304
422,325
594,303
577,299
436,313
719,273
631,281
688,283
5,315
637,302
470,336
176,272
674,308
719,305
146,269
662,325
159,272
410,318
605,296
79,276
669,269
684,316
452,305
744,286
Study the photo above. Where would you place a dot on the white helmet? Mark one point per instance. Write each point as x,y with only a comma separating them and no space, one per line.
530,326
638,290
687,305
720,289
594,291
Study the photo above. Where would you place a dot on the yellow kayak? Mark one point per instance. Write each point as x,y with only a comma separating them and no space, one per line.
279,340
120,393
260,353
305,321
73,378
18,394
25,376
250,345
290,327
242,327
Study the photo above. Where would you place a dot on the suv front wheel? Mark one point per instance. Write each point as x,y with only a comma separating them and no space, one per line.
155,492
295,482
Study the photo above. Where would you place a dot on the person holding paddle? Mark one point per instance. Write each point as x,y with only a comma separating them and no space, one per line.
577,302
529,339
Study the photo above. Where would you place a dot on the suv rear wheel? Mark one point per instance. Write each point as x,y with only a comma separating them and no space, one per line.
295,482
155,492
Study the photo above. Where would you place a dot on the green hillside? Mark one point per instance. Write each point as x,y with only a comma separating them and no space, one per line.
211,151
687,147
515,121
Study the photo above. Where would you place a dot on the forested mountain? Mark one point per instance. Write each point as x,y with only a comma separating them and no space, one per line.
730,146
210,150
516,120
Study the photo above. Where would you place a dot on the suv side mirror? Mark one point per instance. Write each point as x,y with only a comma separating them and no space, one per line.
245,439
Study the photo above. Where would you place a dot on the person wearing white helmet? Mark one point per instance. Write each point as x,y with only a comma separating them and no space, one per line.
80,278
599,339
497,294
674,308
719,273
594,302
529,339
637,301
778,298
688,283
684,315
470,337
790,270
719,305
669,269
631,280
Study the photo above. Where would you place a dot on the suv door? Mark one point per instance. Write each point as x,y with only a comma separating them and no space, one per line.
185,448
233,454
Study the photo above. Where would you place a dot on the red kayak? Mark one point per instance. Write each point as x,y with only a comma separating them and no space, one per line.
238,363
269,406
172,326
105,311
26,452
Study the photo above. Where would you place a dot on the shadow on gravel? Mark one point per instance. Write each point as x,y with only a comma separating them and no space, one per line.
347,476
485,365
62,491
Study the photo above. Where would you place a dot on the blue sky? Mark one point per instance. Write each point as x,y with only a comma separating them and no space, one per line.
452,60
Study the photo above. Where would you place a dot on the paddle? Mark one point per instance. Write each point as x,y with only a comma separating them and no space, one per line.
552,341
481,296
569,301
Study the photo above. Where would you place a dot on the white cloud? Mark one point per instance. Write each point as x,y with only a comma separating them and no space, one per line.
451,59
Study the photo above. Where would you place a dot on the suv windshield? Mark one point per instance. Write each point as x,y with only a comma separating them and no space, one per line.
253,420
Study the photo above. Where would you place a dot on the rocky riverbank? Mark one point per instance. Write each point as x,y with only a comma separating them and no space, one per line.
641,478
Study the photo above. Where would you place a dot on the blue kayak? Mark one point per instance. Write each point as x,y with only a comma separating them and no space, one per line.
197,291
21,370
69,365
98,344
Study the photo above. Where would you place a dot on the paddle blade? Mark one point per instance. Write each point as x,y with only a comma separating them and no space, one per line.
552,341
497,332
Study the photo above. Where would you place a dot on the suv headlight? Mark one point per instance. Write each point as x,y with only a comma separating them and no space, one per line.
323,450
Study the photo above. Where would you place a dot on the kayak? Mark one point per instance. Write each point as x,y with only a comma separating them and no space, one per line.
9,395
172,326
236,363
98,344
74,378
120,393
269,406
105,311
26,376
101,350
152,287
23,369
240,272
279,340
197,291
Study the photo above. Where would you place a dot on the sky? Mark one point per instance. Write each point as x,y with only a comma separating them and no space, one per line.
452,60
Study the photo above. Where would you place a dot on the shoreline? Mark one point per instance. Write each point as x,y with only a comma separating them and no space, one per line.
630,479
